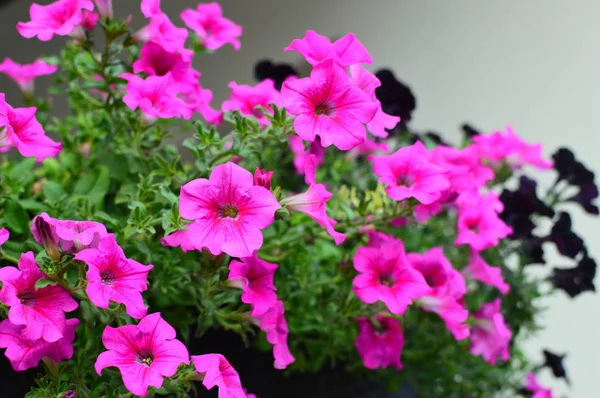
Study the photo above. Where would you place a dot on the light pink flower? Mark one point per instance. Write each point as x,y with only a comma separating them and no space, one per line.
19,128
301,155
41,311
71,236
452,311
273,323
198,99
156,61
316,49
245,98
90,20
371,146
4,235
105,8
380,347
218,372
228,210
409,173
255,277
24,75
25,354
113,277
144,353
534,386
178,239
263,177
386,275
328,105
481,271
490,337
62,18
211,27
162,31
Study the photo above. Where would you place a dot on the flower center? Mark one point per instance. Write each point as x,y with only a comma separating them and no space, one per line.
473,225
26,297
144,357
404,180
387,279
325,108
107,277
228,211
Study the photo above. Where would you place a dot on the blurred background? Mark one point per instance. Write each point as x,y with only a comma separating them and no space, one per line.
531,64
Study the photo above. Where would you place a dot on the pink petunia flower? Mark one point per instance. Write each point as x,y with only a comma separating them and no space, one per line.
255,277
386,275
198,99
380,347
301,155
144,353
409,173
71,236
156,61
41,311
228,210
90,20
464,167
263,177
25,75
481,271
25,354
19,128
162,31
62,18
150,8
490,336
105,8
245,98
328,105
179,239
313,202
370,147
113,277
4,235
218,372
211,27
534,386
273,323
316,49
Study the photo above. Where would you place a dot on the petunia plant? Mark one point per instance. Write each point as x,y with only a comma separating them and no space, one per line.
303,217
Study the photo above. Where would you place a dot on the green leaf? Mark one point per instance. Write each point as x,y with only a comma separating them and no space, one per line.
94,185
53,191
22,168
34,205
16,217
42,283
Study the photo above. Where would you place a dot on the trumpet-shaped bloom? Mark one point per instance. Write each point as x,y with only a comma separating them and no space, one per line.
534,387
59,18
245,98
4,235
156,61
178,239
409,173
218,372
212,28
162,31
25,354
256,279
71,236
481,271
301,155
41,311
273,323
19,128
144,353
263,177
113,277
380,347
316,49
228,210
105,8
90,20
328,105
490,337
25,75
150,8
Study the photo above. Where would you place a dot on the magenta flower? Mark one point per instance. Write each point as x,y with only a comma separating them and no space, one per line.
179,239
61,18
409,173
156,61
4,235
490,337
534,387
380,346
386,275
24,75
197,98
218,372
328,105
228,210
162,31
301,155
150,8
481,271
273,323
263,177
41,311
255,277
25,354
113,277
71,236
245,98
211,27
316,49
453,313
144,353
464,167
90,20
19,128
439,273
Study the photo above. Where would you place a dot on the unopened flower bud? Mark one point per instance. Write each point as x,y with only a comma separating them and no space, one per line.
47,237
263,178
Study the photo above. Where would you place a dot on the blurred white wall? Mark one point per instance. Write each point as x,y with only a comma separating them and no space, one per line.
532,64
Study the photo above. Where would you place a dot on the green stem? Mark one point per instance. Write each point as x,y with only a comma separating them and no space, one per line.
8,258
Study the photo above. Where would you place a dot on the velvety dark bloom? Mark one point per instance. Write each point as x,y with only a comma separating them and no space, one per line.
396,98
567,242
576,280
436,138
534,251
469,131
586,195
570,169
554,362
266,69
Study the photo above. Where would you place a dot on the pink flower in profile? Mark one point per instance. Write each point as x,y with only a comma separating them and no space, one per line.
245,98
41,311
313,202
386,275
534,386
490,336
409,173
144,353
211,27
198,99
301,155
4,235
179,239
25,354
380,346
90,20
156,61
25,75
218,372
19,128
481,271
316,49
71,236
263,177
372,146
113,277
255,277
150,8
105,8
273,323
328,105
61,18
162,31
228,210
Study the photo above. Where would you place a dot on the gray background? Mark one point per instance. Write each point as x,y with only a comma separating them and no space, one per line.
533,64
